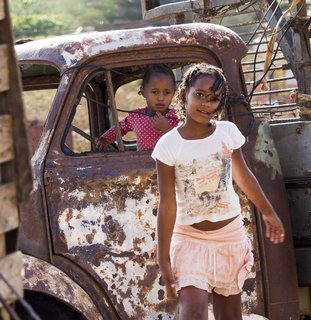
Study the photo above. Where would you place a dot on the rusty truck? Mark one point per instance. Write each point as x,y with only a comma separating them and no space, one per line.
88,234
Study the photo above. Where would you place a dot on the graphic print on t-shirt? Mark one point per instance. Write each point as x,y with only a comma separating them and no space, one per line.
205,182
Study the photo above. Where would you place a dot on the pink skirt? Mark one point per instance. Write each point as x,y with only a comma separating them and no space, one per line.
218,260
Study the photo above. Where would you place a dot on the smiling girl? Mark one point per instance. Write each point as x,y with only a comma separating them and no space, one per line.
202,243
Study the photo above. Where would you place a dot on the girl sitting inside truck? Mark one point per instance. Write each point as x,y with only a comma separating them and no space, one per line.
151,122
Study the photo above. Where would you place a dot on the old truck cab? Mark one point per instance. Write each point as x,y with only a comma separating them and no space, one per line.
88,235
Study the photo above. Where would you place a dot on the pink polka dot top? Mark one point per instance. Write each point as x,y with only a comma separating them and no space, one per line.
140,123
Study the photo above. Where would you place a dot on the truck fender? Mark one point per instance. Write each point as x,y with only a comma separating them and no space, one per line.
40,276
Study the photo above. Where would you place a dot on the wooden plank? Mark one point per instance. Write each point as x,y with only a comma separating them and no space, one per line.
5,315
6,138
11,268
4,67
9,218
2,245
2,13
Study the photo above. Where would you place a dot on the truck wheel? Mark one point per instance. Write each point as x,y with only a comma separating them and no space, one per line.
47,308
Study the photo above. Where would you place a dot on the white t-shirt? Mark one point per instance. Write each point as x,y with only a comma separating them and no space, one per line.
203,173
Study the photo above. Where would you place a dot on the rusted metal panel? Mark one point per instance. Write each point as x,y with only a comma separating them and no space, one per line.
252,295
278,267
68,51
34,129
109,230
295,157
103,218
42,277
265,151
33,236
293,143
303,256
300,208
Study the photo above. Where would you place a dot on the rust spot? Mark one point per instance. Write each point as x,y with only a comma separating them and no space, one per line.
90,237
68,215
161,294
62,236
139,214
136,243
153,236
249,286
246,222
113,230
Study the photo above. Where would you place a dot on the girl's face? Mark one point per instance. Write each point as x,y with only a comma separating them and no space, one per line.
201,101
159,92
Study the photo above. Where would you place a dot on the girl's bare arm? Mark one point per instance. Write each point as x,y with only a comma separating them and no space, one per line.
248,183
165,223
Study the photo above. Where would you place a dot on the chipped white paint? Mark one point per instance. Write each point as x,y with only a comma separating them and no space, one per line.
123,274
62,181
65,79
76,231
37,157
36,160
71,223
84,168
265,150
79,195
120,268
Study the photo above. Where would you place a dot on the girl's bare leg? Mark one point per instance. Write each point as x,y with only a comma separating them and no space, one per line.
193,304
227,308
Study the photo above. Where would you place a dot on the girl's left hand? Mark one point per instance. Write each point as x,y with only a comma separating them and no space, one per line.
274,228
160,122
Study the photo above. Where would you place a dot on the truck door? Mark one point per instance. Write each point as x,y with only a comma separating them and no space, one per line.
102,205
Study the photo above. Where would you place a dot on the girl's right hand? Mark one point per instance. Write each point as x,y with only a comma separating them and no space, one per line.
168,278
101,143
160,122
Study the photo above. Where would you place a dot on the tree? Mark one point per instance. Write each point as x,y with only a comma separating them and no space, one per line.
41,18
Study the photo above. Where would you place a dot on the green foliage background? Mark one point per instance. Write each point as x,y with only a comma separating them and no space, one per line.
41,18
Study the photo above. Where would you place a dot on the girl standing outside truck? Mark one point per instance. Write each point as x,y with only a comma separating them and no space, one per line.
202,243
